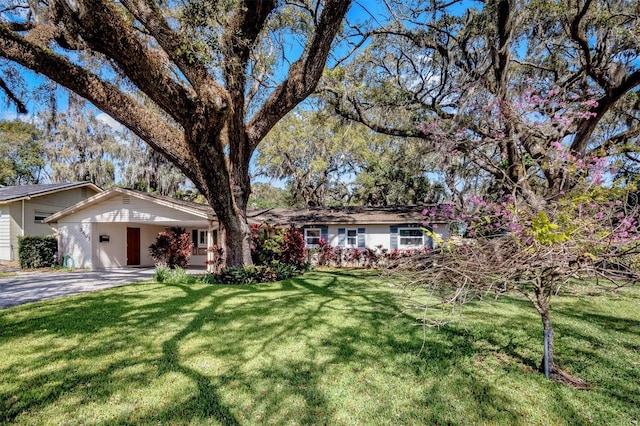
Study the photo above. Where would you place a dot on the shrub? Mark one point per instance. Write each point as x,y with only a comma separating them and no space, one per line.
292,248
253,274
172,248
284,246
162,273
173,276
37,251
265,244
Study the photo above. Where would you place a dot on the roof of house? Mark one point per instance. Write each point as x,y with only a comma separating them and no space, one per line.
338,215
275,216
24,192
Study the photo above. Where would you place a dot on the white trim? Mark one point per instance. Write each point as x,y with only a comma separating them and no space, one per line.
306,236
355,238
407,246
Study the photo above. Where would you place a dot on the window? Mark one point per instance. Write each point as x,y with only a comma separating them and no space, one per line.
203,239
312,237
352,237
40,216
411,238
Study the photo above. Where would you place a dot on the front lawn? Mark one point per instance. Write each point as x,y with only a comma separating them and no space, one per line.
324,348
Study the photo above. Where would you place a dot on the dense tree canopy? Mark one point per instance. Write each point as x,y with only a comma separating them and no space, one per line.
21,159
200,82
499,84
325,160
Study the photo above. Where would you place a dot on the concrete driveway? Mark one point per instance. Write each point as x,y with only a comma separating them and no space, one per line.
33,286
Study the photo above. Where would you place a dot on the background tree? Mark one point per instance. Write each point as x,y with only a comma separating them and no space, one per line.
197,81
311,153
466,80
144,169
78,146
329,161
21,146
531,100
265,196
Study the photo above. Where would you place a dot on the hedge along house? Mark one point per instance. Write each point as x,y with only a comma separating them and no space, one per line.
23,209
116,228
388,227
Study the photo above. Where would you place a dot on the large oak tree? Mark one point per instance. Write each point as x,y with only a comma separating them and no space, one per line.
202,82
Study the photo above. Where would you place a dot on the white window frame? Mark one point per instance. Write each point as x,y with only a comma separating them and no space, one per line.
354,237
410,246
203,233
307,237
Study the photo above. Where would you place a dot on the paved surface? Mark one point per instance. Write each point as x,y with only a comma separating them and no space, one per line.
33,286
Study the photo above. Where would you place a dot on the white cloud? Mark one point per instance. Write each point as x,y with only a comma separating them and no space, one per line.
106,119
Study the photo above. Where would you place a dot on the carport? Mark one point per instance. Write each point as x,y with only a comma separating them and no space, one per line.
115,228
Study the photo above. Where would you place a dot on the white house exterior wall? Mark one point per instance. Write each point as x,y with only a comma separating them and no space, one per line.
75,242
5,239
379,235
111,218
113,253
374,234
442,230
15,227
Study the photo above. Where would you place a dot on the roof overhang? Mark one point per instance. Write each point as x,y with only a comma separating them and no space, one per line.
53,191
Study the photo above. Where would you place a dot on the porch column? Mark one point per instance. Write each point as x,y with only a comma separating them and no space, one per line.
210,267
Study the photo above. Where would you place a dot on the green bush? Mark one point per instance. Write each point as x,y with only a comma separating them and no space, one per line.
177,275
37,251
275,271
162,273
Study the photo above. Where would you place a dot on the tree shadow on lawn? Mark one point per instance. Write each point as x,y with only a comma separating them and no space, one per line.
251,354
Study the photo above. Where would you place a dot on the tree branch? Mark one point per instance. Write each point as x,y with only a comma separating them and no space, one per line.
144,122
148,13
303,75
101,25
20,106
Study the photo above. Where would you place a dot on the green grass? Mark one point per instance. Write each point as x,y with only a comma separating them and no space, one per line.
325,348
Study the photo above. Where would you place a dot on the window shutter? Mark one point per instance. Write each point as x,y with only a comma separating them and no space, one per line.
394,237
341,236
324,233
194,237
361,237
428,239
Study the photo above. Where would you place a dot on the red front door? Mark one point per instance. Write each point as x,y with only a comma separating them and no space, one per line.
133,246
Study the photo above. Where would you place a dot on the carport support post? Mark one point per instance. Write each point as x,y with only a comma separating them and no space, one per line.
209,245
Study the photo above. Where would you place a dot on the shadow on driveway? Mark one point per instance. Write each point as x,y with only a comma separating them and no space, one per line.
33,286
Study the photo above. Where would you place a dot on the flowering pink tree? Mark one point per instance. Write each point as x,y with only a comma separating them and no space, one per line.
587,235
522,106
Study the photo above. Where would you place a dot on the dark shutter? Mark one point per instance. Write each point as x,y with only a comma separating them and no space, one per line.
361,237
194,237
341,236
394,237
428,239
324,233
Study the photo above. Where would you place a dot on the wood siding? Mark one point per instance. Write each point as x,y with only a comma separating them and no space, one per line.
51,203
5,235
